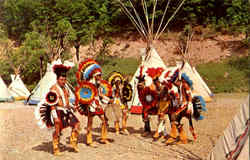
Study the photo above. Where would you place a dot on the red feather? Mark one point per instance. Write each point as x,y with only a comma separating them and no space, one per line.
154,72
166,74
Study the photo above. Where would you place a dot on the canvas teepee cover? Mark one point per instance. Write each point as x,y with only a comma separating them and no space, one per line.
152,60
234,143
17,88
200,87
43,87
5,95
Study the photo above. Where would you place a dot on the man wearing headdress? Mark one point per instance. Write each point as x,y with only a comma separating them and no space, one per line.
97,108
141,85
62,111
124,99
182,101
120,99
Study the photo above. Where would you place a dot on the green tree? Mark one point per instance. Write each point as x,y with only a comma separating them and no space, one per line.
17,16
89,19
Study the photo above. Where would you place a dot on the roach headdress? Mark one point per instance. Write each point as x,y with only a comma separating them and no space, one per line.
60,70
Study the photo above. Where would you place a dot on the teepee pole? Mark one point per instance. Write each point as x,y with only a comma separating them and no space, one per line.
153,17
162,19
133,20
138,18
145,10
170,18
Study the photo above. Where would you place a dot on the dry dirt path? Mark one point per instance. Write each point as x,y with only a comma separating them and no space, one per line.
20,137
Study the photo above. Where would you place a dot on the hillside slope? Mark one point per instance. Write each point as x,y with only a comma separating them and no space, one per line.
210,49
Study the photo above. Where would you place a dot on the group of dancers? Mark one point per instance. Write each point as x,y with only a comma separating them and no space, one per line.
98,97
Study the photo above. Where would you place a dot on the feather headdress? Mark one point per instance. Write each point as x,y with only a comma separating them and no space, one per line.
88,69
187,79
61,70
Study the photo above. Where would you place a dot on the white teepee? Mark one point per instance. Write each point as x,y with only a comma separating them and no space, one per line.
17,88
5,95
43,87
234,143
199,86
148,61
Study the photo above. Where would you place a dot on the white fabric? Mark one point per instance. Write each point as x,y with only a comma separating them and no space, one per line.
235,139
4,92
17,88
54,113
190,107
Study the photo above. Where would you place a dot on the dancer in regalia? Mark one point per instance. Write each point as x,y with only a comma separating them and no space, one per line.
90,82
121,93
184,105
56,110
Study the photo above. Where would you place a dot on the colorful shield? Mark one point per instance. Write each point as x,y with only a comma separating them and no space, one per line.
85,93
51,98
127,92
115,76
106,88
148,97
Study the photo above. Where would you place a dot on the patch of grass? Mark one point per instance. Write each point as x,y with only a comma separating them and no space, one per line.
230,75
126,66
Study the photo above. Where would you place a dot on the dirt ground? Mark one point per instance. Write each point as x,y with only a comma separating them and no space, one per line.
20,137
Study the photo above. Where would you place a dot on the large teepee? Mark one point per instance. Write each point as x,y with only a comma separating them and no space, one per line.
42,88
17,88
145,25
5,95
234,143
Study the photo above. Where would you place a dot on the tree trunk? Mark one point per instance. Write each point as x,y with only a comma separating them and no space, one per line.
77,47
41,67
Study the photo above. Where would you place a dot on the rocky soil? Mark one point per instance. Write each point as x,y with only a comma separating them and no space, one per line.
201,50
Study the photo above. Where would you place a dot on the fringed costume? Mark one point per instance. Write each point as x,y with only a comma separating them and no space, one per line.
183,105
56,111
92,95
121,94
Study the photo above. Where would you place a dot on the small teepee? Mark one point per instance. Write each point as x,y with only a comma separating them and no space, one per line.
5,95
17,88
